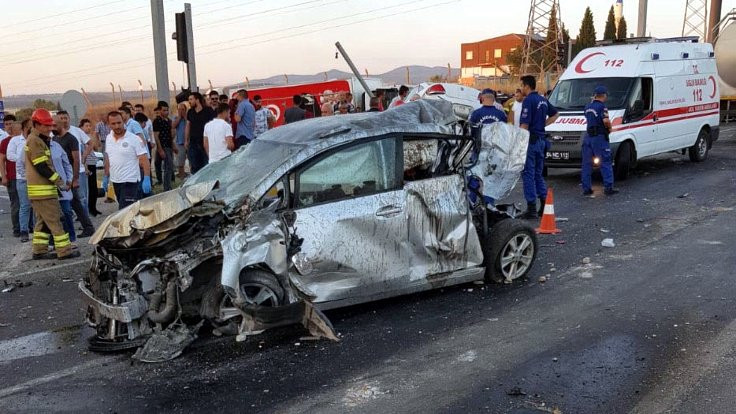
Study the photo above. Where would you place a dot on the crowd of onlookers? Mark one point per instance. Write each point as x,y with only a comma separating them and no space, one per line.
137,148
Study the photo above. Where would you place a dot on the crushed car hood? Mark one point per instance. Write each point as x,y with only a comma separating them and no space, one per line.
159,213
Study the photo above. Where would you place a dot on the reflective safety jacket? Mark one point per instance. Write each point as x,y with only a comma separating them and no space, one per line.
41,177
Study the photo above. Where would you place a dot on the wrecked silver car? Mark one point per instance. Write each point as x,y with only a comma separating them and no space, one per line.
310,216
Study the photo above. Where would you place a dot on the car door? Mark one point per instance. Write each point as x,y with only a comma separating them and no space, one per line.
442,238
351,212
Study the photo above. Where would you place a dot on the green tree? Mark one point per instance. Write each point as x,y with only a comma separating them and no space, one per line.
621,33
610,32
513,59
586,37
565,44
552,42
23,114
43,103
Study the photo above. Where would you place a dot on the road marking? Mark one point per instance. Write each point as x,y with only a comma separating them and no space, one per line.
53,377
7,275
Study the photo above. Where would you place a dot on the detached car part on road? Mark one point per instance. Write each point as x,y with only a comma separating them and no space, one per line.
315,215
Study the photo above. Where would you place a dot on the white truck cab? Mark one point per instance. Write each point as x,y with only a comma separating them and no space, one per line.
663,95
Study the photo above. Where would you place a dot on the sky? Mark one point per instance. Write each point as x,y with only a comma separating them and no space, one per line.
55,45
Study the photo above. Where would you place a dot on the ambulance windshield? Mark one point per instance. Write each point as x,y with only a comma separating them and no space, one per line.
574,94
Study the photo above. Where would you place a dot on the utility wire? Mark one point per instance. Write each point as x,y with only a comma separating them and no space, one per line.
126,64
24,53
23,23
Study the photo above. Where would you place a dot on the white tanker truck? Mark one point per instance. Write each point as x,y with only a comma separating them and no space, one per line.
725,49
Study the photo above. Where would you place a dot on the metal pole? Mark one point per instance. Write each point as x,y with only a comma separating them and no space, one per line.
354,69
191,67
159,50
569,51
113,96
713,20
641,29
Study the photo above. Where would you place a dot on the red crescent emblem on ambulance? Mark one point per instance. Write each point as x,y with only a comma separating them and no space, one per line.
715,87
579,66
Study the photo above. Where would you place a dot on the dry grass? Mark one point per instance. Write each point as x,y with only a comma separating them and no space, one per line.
100,110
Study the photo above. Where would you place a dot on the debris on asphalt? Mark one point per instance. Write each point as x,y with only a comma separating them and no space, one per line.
4,325
9,287
586,260
515,392
560,241
640,220
605,230
479,283
562,219
683,195
608,243
542,279
554,359
586,275
552,269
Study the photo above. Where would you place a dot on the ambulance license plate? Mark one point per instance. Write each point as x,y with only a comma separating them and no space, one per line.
558,155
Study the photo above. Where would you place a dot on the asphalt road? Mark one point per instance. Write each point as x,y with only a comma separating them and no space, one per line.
646,326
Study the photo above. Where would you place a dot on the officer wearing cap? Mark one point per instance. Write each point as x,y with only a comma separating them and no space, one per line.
536,114
488,113
595,143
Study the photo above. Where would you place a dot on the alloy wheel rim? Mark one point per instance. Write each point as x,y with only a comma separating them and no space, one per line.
254,295
517,256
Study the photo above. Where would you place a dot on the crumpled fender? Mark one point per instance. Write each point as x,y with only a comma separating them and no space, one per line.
260,241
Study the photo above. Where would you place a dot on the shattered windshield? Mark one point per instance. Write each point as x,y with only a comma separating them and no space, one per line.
241,172
574,94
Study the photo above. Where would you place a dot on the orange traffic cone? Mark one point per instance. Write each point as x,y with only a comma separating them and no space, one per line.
548,224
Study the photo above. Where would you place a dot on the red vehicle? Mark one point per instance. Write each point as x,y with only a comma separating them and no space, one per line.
278,98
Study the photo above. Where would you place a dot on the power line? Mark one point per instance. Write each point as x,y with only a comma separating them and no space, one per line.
23,23
310,24
104,44
126,64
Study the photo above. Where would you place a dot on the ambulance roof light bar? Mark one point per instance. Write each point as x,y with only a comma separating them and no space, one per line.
639,40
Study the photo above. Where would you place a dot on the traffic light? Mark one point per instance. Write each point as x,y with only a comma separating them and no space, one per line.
182,44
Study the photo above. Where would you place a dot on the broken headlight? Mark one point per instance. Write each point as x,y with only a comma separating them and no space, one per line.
302,264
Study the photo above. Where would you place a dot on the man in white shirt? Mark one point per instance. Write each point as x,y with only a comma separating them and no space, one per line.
264,117
515,115
125,157
399,100
218,135
79,186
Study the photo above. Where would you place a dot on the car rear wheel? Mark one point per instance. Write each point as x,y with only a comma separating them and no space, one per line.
622,166
510,251
699,151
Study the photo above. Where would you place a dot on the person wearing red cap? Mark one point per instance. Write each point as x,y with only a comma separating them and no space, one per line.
44,184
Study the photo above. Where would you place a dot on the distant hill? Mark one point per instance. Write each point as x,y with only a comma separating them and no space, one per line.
396,76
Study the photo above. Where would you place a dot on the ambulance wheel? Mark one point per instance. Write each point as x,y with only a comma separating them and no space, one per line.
509,251
622,165
699,151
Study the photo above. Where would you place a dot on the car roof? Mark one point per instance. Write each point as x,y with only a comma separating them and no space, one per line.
250,171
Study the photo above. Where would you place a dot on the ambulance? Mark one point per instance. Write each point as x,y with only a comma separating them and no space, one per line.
663,95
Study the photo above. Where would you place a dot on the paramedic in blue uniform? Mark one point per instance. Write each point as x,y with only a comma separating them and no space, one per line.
536,114
488,113
595,143
485,115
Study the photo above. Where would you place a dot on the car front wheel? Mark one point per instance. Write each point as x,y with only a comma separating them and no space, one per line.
257,288
510,251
